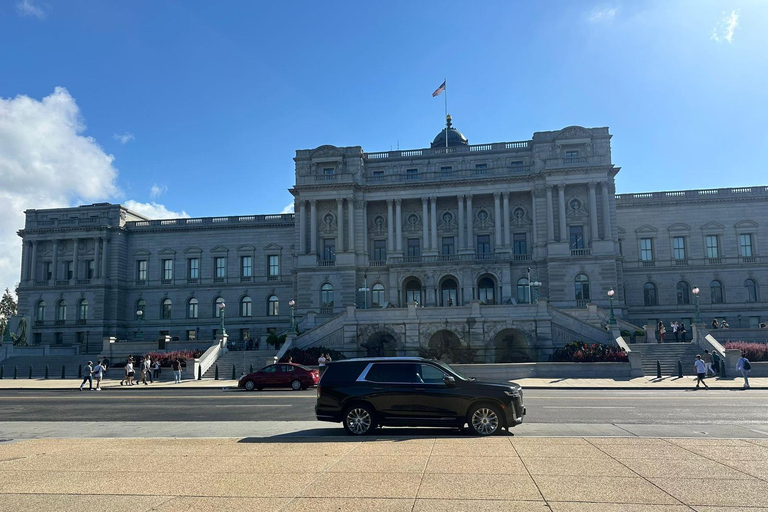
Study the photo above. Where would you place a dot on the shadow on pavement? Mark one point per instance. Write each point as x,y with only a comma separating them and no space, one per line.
335,435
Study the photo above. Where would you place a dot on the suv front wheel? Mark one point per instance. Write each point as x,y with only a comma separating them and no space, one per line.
484,420
358,420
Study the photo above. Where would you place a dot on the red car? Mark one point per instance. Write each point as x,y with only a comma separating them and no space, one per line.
281,375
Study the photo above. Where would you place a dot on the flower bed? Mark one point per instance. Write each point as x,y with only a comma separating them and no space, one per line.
310,355
754,351
581,352
165,358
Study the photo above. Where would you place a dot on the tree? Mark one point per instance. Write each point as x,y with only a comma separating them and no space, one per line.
8,308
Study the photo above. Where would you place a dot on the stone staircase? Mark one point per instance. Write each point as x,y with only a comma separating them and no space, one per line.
242,360
70,363
667,354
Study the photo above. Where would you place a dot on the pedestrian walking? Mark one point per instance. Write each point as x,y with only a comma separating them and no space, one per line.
701,372
744,366
682,331
147,370
87,375
156,370
707,358
98,374
328,357
716,362
176,367
661,330
143,369
129,372
675,329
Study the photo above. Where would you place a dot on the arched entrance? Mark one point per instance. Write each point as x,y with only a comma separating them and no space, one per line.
412,291
444,345
380,344
511,346
449,292
486,287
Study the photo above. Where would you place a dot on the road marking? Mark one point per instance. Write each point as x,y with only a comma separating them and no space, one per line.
759,431
583,407
255,405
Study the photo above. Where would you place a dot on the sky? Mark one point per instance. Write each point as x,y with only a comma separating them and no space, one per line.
195,108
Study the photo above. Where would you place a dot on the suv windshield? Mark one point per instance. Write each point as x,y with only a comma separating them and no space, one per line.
451,370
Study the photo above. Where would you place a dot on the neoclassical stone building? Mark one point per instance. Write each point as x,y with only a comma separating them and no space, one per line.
468,235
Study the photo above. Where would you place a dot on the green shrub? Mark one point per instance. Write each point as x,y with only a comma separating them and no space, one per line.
581,352
625,333
276,341
638,332
310,355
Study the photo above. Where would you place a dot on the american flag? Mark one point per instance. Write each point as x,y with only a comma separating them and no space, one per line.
439,90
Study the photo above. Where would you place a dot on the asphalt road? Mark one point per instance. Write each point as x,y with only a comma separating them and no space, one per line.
670,407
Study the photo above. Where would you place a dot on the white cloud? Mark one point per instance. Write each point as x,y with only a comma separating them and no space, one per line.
157,190
602,14
288,208
45,162
123,138
726,27
154,210
30,9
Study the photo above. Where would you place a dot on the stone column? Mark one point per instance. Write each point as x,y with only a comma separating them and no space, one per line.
506,225
606,210
425,223
561,211
301,218
339,225
497,221
550,216
534,220
26,249
365,228
592,211
390,228
399,225
76,260
433,220
461,222
351,209
104,259
313,226
55,260
33,268
470,224
96,251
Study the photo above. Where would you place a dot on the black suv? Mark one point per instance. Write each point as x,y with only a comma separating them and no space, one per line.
412,391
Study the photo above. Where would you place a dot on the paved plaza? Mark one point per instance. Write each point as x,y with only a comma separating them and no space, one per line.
401,473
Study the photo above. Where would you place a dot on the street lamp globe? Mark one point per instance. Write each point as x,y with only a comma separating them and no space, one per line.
223,330
695,290
139,313
611,293
697,317
612,319
291,302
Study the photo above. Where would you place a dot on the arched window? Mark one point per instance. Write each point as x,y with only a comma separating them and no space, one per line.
750,285
193,308
716,292
413,291
40,311
581,287
246,306
217,307
649,294
326,296
377,295
683,293
82,310
523,291
141,305
273,306
485,290
167,308
61,311
448,290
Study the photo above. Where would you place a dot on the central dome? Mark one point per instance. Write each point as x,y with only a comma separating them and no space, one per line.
455,137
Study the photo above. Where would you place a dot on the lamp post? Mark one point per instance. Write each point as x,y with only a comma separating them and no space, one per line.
139,315
86,341
697,316
292,303
365,291
612,319
222,330
535,286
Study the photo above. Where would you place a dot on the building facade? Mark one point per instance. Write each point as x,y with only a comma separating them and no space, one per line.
498,225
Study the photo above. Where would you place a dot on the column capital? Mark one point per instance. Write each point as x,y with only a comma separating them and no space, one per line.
497,195
433,198
505,195
390,201
313,202
591,184
424,199
398,201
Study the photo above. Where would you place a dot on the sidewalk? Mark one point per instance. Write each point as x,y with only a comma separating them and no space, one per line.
639,383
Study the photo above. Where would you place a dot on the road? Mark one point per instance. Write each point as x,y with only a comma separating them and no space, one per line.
663,407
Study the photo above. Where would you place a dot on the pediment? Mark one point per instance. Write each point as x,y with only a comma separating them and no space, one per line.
272,247
326,151
647,228
712,226
620,230
167,251
573,132
746,224
219,248
193,250
679,227
141,252
246,248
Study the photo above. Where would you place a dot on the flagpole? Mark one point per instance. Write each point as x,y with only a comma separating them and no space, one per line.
445,80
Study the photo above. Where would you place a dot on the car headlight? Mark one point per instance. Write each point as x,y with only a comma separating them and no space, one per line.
515,393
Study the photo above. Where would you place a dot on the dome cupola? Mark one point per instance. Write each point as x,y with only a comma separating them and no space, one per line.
455,137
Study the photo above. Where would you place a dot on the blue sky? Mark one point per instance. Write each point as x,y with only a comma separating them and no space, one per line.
196,107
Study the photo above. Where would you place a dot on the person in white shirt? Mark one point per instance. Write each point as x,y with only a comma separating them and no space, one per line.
321,363
675,327
743,366
98,374
701,372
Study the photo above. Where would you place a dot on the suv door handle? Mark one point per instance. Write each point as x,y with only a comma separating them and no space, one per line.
378,389
420,389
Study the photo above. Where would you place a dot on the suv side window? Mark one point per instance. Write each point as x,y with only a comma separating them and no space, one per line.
392,373
431,375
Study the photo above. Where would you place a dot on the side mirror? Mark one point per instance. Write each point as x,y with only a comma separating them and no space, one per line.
449,381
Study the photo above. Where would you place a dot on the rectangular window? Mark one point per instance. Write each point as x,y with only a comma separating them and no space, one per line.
274,265
516,164
68,269
379,250
141,270
414,247
574,153
520,243
220,264
576,237
754,322
448,246
646,249
678,247
167,270
446,170
412,174
58,338
745,246
48,270
483,244
194,268
329,249
90,269
481,168
246,266
329,171
191,334
712,247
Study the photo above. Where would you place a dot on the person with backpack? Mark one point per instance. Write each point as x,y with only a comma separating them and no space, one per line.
701,372
743,366
87,376
98,373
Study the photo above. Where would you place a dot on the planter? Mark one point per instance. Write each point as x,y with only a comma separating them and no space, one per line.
640,339
627,339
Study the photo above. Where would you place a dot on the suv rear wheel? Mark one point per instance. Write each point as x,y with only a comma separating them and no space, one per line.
484,420
358,420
